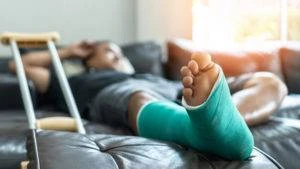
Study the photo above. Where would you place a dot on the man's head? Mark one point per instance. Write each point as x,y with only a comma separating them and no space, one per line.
108,55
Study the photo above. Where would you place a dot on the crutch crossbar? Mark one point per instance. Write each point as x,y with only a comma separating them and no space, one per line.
28,40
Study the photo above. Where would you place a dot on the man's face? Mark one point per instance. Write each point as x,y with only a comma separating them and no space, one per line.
108,55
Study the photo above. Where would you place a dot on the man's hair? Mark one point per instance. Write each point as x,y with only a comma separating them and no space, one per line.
100,42
96,43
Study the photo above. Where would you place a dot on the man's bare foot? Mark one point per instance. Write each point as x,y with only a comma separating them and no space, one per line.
198,78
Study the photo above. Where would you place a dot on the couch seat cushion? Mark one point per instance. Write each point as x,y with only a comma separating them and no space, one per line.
72,150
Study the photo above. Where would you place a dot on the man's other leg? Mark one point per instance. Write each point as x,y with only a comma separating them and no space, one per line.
257,95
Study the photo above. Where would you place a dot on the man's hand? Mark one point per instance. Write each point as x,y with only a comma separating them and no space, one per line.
80,49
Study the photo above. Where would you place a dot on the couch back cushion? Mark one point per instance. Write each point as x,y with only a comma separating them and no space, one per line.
4,65
290,57
10,92
145,57
233,62
244,61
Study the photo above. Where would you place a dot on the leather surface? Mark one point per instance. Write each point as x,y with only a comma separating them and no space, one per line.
179,53
290,107
279,141
12,141
283,60
10,92
14,130
71,150
290,56
4,65
145,57
237,62
233,61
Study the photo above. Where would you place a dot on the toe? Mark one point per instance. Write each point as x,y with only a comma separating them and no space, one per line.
187,94
203,60
193,66
187,81
185,71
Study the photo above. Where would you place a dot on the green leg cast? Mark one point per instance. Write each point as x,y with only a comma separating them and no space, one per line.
215,126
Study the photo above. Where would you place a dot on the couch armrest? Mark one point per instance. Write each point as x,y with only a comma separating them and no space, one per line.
233,61
10,94
290,59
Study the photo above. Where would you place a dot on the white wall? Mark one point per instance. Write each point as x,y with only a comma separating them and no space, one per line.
162,19
73,19
121,21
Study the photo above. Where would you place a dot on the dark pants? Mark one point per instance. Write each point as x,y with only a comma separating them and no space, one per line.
111,104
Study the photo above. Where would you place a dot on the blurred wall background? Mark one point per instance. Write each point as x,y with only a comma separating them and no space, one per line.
122,21
161,19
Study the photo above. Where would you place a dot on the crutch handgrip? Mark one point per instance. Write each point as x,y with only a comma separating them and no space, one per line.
29,40
24,164
57,123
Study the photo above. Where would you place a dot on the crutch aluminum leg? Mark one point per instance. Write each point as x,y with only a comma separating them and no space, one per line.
65,86
23,85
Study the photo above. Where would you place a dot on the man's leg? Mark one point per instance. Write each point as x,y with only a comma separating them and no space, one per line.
209,121
258,96
136,102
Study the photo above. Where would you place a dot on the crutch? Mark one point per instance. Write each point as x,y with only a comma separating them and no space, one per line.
50,123
35,41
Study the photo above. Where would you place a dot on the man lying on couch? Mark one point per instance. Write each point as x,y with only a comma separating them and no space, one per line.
207,120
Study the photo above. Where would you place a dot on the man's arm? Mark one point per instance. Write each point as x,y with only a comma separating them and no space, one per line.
36,64
36,67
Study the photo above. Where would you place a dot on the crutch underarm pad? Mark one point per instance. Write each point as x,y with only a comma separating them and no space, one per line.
57,123
29,40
